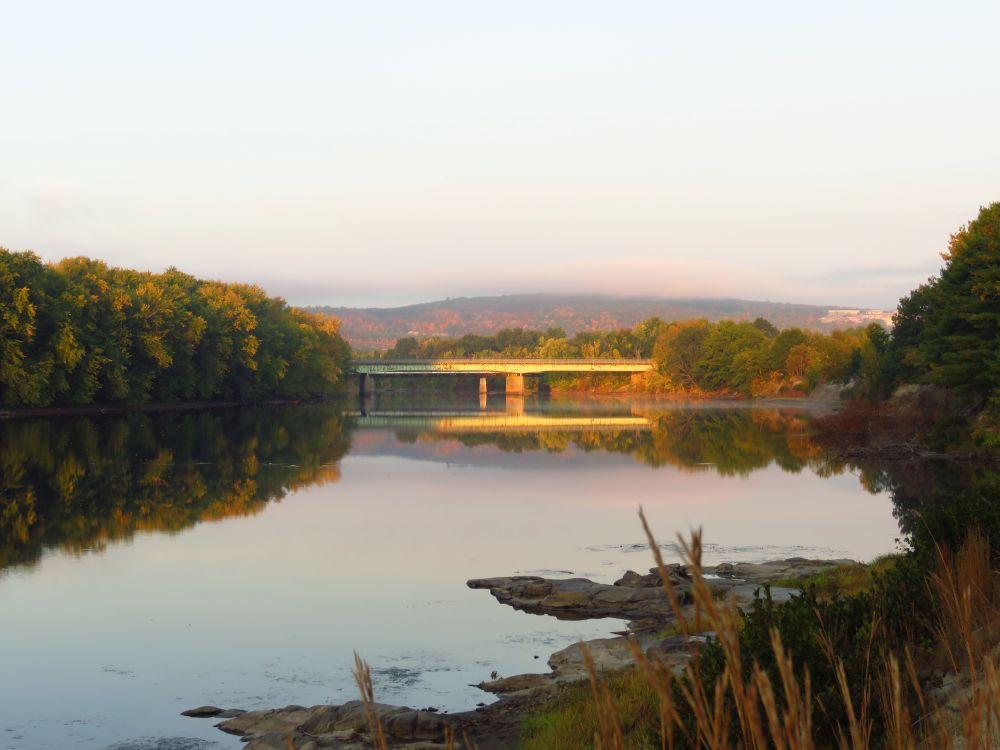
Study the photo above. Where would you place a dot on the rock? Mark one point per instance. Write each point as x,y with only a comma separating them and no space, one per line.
343,727
521,683
276,720
349,716
268,741
415,725
609,655
792,567
576,598
631,578
640,598
202,712
679,576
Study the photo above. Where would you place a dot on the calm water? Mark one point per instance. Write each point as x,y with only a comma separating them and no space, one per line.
149,564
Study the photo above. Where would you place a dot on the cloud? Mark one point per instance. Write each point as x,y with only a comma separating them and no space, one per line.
625,276
874,273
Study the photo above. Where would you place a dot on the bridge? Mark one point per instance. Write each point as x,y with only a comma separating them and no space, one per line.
513,370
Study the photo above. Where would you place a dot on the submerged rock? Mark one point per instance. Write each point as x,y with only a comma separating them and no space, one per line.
202,712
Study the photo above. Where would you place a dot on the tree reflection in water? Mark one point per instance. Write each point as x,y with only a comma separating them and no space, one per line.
79,484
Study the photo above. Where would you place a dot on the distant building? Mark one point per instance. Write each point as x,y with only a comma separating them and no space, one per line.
858,317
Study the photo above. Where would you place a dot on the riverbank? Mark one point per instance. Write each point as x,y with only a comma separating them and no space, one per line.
96,410
917,423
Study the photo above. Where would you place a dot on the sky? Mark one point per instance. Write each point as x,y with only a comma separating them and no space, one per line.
381,153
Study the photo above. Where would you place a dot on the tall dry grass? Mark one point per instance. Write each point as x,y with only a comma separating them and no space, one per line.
762,712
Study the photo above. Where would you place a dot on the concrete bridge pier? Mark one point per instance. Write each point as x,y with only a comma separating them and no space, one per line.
482,386
515,384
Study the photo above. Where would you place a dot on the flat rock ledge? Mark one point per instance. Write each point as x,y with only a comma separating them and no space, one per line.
344,727
789,568
576,598
640,598
609,655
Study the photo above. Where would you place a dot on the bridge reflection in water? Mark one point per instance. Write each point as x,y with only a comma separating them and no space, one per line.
512,419
458,423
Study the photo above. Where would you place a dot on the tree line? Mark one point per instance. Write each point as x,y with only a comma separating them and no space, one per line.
81,332
691,356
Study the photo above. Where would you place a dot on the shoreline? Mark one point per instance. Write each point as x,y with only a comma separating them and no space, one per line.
638,599
87,410
100,410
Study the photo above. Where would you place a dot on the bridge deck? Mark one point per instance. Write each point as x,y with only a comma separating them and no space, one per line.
496,366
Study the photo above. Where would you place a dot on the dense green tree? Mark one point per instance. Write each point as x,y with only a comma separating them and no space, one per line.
733,356
947,331
766,327
781,345
80,332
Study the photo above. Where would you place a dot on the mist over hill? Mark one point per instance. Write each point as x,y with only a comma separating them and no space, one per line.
379,327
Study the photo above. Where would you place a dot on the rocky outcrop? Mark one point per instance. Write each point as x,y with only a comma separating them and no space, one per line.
678,575
581,598
342,727
567,665
608,655
640,598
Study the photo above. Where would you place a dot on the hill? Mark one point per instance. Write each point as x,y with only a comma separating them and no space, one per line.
379,327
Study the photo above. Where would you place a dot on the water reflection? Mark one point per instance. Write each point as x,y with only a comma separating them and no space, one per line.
726,439
79,484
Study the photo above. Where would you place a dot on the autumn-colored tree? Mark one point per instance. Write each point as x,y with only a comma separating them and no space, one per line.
679,348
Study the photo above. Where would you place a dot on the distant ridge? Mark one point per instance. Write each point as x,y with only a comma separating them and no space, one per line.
379,327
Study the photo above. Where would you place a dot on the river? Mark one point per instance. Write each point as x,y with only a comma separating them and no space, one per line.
151,563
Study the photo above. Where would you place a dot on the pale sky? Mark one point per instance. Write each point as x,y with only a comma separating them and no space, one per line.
389,152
